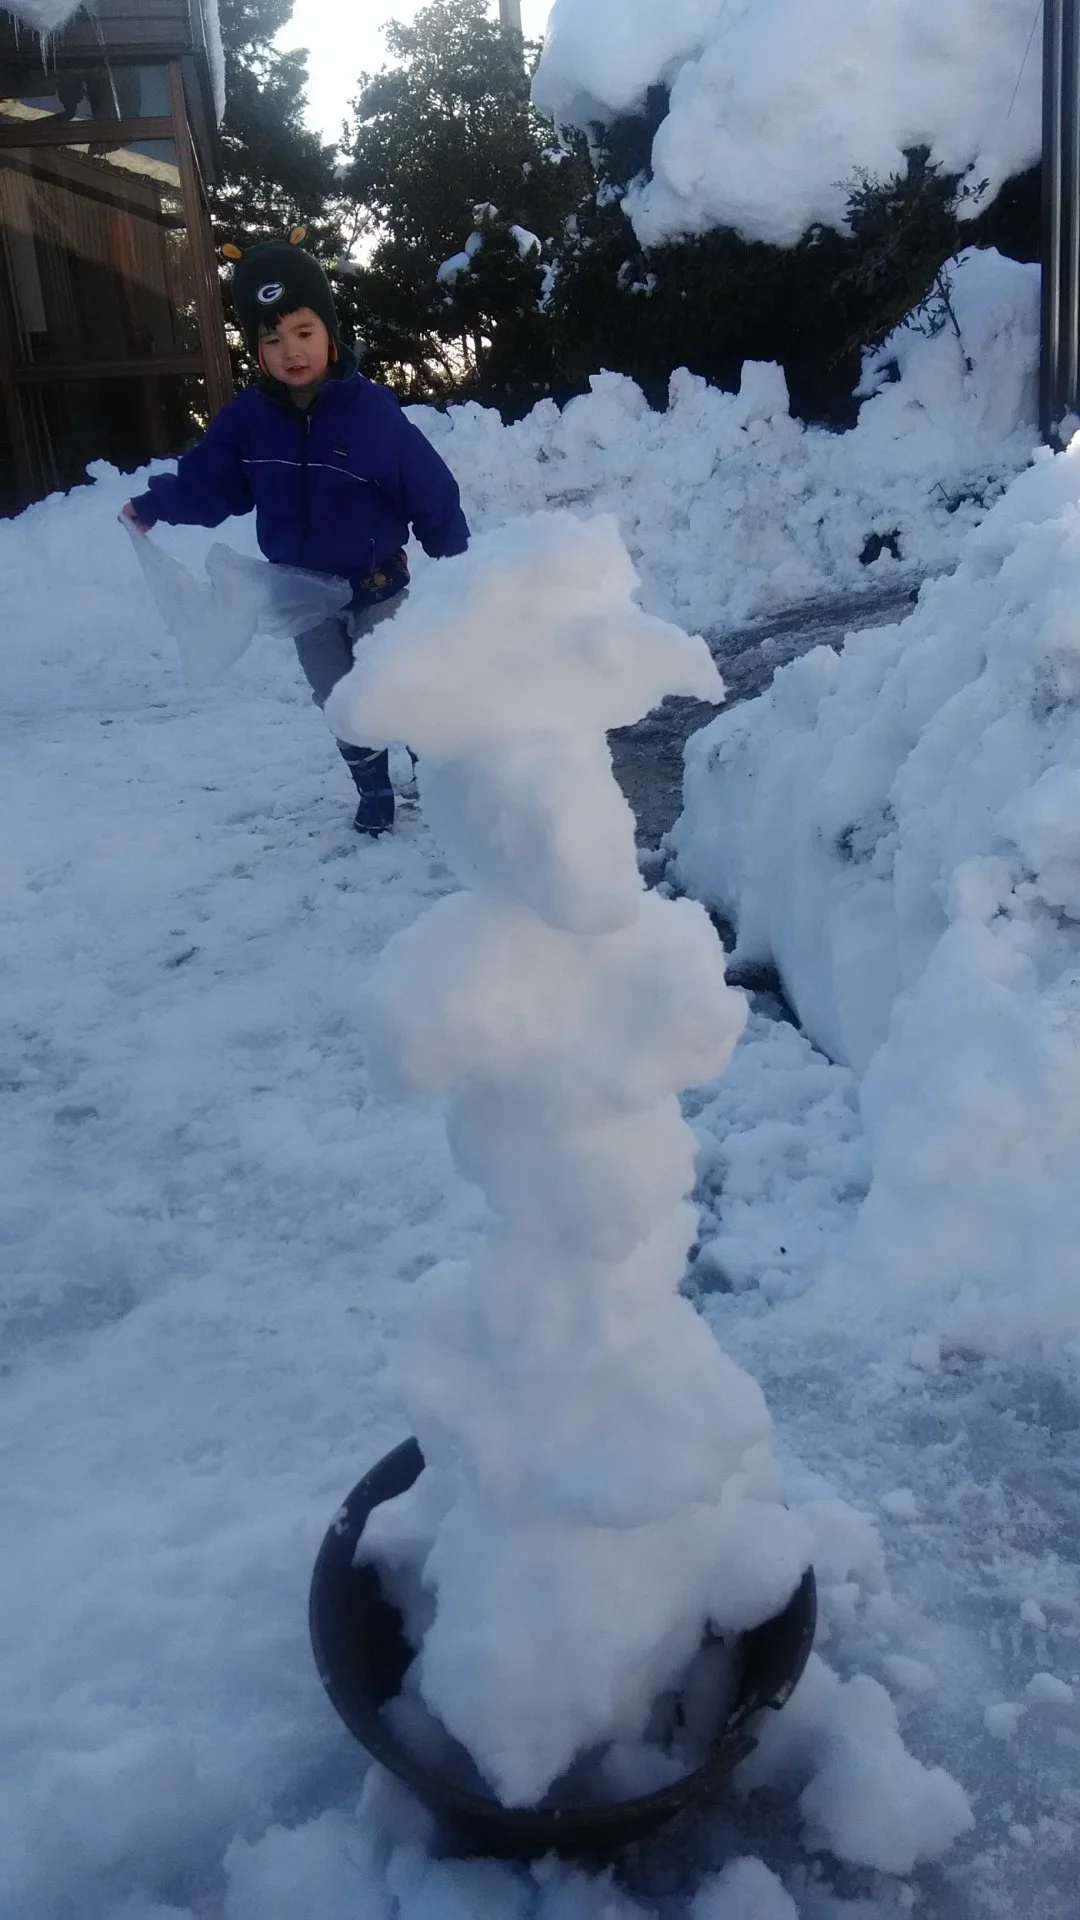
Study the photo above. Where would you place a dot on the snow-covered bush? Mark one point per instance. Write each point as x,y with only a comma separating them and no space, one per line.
771,108
898,827
779,184
976,347
588,1507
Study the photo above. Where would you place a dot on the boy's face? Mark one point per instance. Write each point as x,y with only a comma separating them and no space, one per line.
295,350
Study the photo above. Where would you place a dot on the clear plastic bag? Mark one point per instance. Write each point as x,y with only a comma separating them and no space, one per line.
214,620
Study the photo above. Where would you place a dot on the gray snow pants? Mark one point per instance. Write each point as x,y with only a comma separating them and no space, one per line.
326,654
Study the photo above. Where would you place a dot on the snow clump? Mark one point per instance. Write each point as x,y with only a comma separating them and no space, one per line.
595,1507
862,1794
744,1890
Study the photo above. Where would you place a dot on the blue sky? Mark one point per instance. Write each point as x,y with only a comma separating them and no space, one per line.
344,37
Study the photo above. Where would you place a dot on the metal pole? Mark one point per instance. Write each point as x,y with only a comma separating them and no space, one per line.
1069,345
510,15
1050,370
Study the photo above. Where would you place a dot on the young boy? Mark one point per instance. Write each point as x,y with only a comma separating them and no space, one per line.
335,472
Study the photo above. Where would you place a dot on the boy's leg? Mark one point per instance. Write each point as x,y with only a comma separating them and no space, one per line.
325,653
370,769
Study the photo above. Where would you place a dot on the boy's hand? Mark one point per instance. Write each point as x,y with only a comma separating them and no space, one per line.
128,513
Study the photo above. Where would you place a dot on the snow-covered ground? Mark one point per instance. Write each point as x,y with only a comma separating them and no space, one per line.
775,109
211,1223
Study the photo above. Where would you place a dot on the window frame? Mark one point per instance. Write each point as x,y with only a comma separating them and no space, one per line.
210,361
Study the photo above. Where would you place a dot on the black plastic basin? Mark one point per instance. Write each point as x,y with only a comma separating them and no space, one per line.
362,1655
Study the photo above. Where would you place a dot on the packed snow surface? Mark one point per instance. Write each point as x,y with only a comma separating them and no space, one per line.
774,109
898,828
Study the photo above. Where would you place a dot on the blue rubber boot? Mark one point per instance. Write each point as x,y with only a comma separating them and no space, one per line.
370,769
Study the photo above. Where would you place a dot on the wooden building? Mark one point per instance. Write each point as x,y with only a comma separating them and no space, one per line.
112,341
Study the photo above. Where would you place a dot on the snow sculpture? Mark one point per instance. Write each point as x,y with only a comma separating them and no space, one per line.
599,1480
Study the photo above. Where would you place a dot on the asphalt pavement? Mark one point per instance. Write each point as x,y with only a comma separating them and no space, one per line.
648,757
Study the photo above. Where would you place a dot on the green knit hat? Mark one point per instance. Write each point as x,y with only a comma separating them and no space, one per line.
275,278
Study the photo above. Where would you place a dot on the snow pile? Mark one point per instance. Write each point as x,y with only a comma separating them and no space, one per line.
861,1793
774,109
730,507
557,1007
898,827
745,1890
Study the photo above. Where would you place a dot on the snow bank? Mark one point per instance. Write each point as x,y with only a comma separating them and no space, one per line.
773,108
729,507
898,827
558,1007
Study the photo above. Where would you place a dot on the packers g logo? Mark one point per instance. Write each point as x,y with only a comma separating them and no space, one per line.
269,295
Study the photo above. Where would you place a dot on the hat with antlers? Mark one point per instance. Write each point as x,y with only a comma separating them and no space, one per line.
277,277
